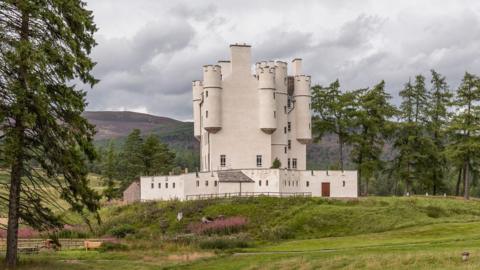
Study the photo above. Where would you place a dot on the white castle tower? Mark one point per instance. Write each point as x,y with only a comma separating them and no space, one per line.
246,120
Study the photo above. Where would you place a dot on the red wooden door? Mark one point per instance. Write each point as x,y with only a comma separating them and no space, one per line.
325,189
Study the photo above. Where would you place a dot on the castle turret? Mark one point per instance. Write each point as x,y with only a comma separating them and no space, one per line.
212,96
267,106
302,108
197,90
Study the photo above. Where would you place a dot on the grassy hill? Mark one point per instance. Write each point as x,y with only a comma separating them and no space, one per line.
116,125
287,233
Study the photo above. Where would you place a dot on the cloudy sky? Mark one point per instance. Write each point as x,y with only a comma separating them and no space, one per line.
149,51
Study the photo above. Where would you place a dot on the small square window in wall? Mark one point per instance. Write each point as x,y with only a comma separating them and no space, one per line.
343,183
308,183
159,185
285,130
259,183
206,183
166,185
294,163
215,183
153,185
285,149
198,183
173,185
266,183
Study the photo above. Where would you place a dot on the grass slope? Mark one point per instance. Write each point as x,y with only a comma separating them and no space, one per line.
293,233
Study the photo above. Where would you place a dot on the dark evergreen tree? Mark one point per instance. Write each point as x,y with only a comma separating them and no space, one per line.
332,115
44,47
464,129
372,125
157,158
131,163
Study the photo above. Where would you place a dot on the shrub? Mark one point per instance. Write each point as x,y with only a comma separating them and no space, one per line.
224,243
434,211
121,231
219,226
111,246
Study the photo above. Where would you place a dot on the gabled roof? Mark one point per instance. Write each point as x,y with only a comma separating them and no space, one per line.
233,177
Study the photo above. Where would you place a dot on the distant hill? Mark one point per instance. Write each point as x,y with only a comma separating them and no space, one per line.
178,135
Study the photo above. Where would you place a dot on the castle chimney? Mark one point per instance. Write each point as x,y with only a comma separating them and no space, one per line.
241,59
297,66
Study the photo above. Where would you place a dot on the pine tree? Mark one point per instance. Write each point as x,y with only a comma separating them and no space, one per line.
131,159
333,110
411,139
157,158
109,169
44,47
464,129
373,126
438,117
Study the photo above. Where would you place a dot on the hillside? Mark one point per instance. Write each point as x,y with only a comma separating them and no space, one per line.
284,233
117,125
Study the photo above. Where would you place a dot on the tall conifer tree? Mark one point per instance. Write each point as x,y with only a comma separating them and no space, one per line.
45,44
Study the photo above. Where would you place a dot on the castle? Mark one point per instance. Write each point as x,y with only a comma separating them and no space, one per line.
253,131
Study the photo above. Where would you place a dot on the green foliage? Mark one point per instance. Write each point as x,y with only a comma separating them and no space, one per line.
276,164
111,246
332,114
157,158
121,231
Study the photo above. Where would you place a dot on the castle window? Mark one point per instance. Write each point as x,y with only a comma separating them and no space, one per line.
259,183
159,185
285,149
206,93
215,183
289,103
289,144
153,185
173,185
198,183
343,183
308,183
273,95
206,183
289,126
274,114
285,130
222,160
266,183
294,163
288,163
296,183
259,160
166,185
288,183
206,114
285,109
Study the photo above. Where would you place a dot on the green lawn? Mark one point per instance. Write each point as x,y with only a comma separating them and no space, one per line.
372,233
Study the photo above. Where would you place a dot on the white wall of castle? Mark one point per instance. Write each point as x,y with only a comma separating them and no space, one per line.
273,181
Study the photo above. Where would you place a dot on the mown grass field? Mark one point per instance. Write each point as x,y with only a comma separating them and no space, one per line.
295,233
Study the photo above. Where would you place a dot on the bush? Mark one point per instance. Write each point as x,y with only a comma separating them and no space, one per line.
219,226
121,231
224,243
434,211
110,246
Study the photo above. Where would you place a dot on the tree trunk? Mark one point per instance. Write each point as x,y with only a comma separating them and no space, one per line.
466,180
14,200
459,179
340,144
